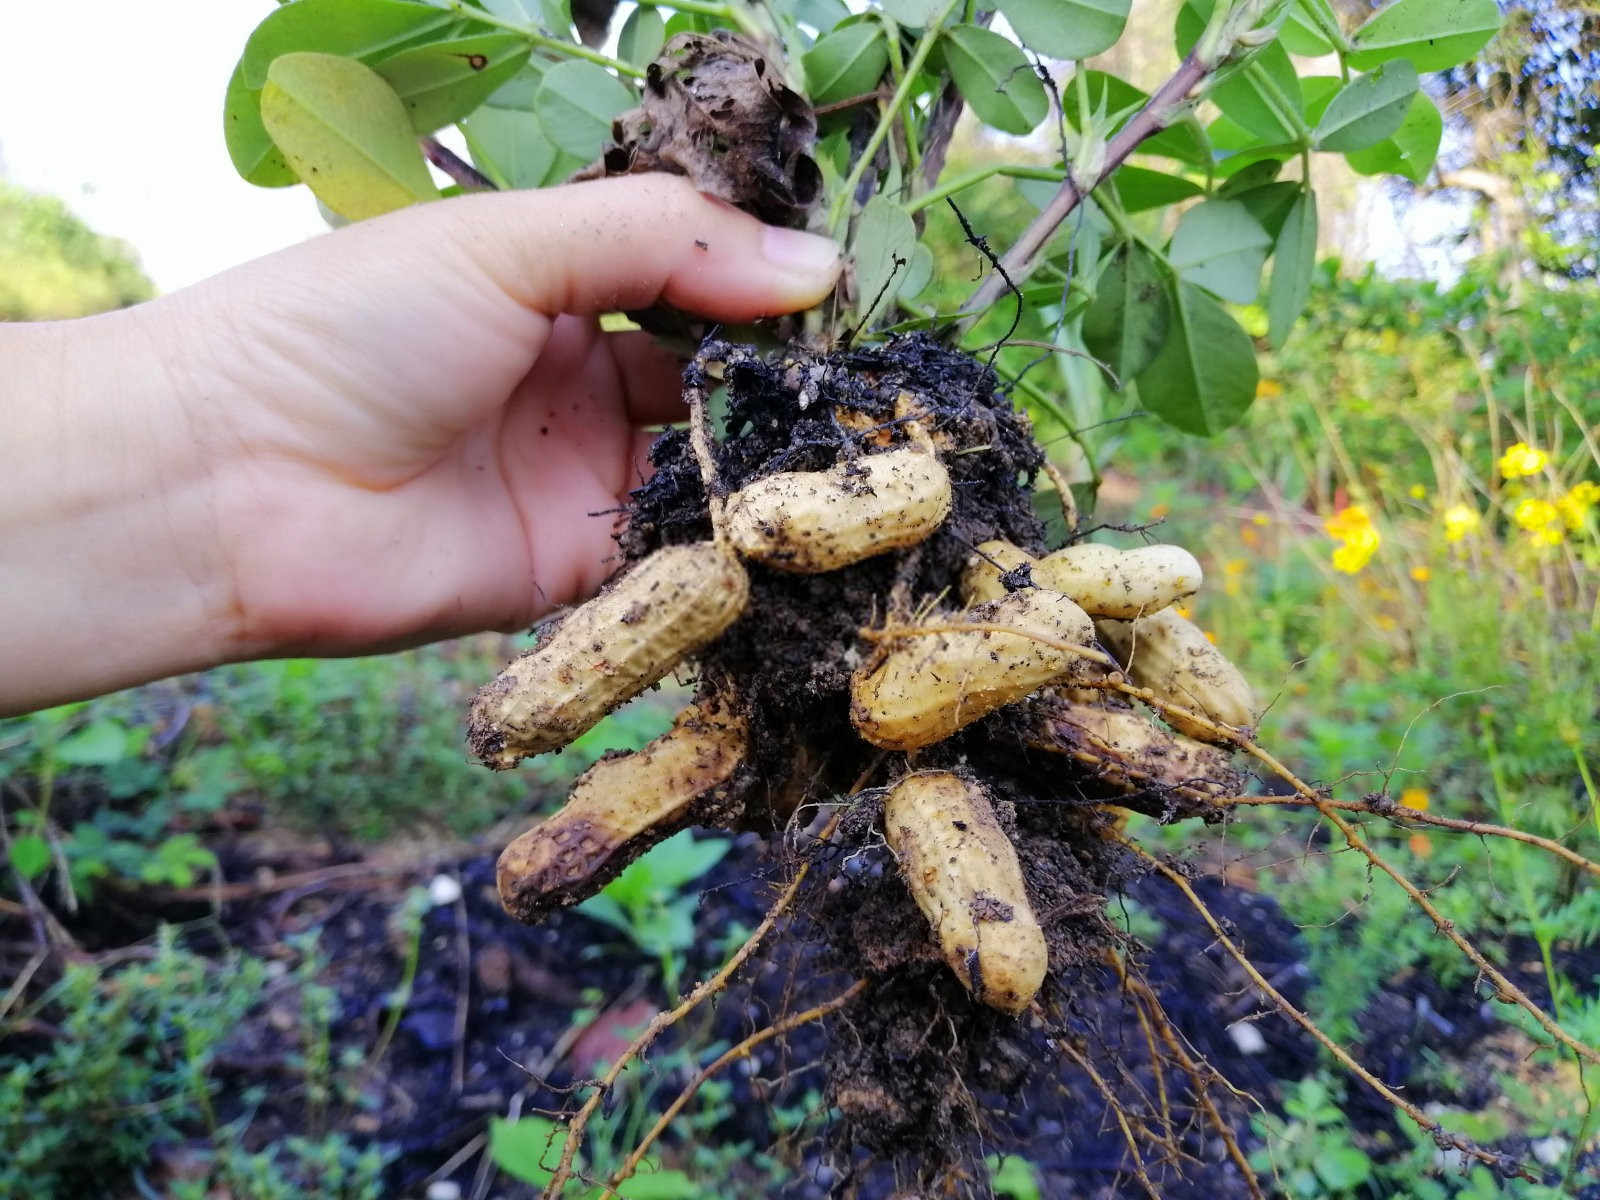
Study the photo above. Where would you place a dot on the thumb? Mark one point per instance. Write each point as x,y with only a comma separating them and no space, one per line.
630,242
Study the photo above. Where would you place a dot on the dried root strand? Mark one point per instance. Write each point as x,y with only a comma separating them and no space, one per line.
1103,580
963,872
618,809
1152,1016
919,693
1175,660
722,1062
809,522
607,651
663,1021
1288,1009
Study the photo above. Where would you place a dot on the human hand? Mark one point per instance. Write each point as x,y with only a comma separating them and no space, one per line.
397,432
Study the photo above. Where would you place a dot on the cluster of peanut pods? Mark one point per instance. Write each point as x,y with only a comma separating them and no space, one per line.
1020,632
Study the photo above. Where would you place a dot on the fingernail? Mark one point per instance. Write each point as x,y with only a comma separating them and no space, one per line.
800,252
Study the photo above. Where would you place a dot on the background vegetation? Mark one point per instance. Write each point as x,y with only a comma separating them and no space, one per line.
1402,543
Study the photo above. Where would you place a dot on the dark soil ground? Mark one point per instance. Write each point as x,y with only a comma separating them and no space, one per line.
503,1019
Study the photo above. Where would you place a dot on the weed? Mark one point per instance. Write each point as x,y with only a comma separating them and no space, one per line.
131,1063
649,903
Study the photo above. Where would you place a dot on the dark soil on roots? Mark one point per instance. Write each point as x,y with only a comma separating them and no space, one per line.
917,1066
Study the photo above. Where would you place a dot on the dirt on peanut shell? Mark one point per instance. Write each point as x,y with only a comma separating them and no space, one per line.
909,1065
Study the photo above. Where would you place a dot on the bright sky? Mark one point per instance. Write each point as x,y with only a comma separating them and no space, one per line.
116,107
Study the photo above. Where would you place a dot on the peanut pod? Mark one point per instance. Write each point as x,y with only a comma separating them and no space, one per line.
1131,752
980,581
963,872
1175,660
925,687
619,808
648,620
1105,581
814,521
1124,584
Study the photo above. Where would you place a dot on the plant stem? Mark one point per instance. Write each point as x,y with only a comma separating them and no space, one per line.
736,13
962,182
540,41
842,202
1021,259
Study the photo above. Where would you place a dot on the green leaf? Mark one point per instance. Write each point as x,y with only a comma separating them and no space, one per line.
1257,174
845,63
366,29
506,140
995,79
30,855
886,243
521,1148
916,13
1319,91
1294,260
1128,320
1367,109
1220,246
1302,35
1184,141
1204,379
1255,92
576,104
345,133
1411,150
1238,149
444,81
661,1185
1013,1178
1433,34
1140,189
1342,1167
919,274
1270,203
1067,29
643,34
98,744
177,861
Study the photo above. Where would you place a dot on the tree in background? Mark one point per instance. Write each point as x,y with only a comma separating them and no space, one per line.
53,265
1532,101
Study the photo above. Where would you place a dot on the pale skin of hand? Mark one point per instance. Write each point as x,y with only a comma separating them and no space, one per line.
391,434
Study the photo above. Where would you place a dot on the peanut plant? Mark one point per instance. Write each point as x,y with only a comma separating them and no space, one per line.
908,677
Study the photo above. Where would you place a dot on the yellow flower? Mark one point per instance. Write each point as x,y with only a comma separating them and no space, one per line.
1418,491
1183,610
1459,521
1415,798
1421,574
1532,514
1575,505
1267,388
1354,555
1522,459
1232,571
1261,519
1347,521
1353,527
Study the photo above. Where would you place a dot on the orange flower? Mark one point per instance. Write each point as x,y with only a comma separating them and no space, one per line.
1421,574
1421,845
